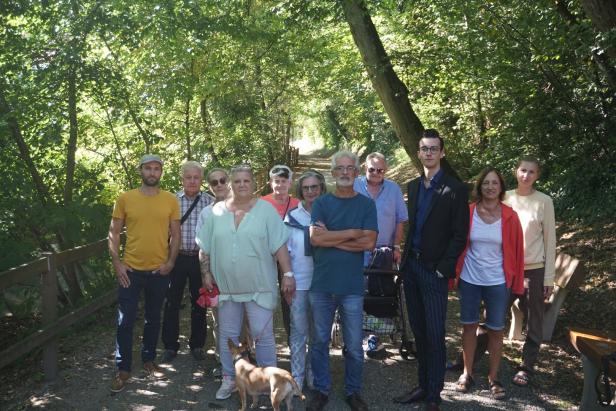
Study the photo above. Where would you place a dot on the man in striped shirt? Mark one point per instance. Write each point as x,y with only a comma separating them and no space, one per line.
192,200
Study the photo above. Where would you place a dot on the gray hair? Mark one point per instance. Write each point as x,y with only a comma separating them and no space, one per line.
378,156
306,174
242,168
191,165
222,170
345,153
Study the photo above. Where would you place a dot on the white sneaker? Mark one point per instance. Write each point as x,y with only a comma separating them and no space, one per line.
226,388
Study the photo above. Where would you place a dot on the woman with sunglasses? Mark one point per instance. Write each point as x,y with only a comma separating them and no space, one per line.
536,212
241,242
490,268
218,181
310,185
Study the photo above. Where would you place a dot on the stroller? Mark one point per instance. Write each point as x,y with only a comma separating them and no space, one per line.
385,312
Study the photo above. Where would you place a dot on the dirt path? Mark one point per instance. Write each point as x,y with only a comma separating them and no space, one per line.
87,368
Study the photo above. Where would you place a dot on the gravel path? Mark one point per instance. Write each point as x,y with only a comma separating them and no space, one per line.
84,381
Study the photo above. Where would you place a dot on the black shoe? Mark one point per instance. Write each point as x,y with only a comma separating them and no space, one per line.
415,395
198,354
317,402
167,356
356,403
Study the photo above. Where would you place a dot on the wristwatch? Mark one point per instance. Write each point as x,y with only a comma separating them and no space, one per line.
289,274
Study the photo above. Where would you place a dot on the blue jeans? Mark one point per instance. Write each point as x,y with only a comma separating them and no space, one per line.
261,322
350,307
155,287
301,327
495,298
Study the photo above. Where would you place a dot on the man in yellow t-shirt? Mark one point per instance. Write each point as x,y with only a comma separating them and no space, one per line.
152,220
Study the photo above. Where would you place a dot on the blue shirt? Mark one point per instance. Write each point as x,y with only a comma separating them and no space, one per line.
390,208
423,203
338,271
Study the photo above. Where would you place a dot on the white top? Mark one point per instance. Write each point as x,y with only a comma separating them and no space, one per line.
302,265
536,213
483,264
203,215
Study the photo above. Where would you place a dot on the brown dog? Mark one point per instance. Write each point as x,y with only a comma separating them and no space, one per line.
254,380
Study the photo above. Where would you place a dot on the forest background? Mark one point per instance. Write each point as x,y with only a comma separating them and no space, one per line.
87,87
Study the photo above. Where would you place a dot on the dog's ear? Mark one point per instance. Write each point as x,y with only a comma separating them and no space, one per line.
246,343
231,344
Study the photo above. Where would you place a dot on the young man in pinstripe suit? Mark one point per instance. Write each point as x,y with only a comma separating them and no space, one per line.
438,226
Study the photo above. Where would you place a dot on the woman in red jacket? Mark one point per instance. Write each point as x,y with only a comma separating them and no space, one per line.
489,270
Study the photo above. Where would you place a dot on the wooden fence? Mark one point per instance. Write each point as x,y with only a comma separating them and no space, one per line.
47,336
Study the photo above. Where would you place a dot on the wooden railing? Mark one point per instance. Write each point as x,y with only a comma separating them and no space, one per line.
47,336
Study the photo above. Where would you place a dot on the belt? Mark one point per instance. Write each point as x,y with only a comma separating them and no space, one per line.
189,253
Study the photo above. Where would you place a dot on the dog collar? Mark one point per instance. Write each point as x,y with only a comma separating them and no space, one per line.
241,355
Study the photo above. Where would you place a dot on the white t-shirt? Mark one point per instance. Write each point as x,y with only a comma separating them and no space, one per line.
483,264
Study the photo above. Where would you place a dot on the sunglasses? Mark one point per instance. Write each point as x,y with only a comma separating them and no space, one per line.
312,188
221,181
377,170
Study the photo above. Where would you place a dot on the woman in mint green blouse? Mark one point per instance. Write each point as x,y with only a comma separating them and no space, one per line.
241,241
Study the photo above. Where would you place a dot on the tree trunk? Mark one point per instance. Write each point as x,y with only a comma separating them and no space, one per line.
187,129
71,147
392,92
24,150
207,135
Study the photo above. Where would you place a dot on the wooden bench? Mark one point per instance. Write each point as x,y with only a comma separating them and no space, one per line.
593,345
569,275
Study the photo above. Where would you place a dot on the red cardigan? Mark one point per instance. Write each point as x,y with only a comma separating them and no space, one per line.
513,249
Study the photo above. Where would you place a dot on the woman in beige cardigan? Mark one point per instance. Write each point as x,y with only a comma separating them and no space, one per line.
536,213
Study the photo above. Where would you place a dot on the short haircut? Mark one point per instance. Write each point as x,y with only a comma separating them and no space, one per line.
432,133
222,170
242,168
482,176
280,170
309,173
191,165
378,156
347,154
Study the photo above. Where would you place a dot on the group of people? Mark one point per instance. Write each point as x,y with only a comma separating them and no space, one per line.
311,250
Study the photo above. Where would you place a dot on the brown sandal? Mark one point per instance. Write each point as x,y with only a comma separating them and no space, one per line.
497,390
464,384
521,378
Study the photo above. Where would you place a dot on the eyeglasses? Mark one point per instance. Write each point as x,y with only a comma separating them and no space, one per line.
308,189
377,170
432,149
221,181
348,169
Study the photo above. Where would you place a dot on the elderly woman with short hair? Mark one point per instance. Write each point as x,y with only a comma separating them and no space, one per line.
310,185
241,241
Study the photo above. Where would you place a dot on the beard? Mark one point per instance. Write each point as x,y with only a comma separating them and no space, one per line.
151,181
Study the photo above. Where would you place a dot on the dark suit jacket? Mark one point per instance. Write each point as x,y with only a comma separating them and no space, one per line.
443,236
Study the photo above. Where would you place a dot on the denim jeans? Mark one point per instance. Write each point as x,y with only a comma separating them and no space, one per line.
261,321
155,287
301,326
350,307
186,269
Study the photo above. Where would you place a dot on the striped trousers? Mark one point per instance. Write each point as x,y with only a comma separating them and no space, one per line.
426,299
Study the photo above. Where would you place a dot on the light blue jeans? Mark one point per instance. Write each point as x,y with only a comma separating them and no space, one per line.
301,327
230,319
350,307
